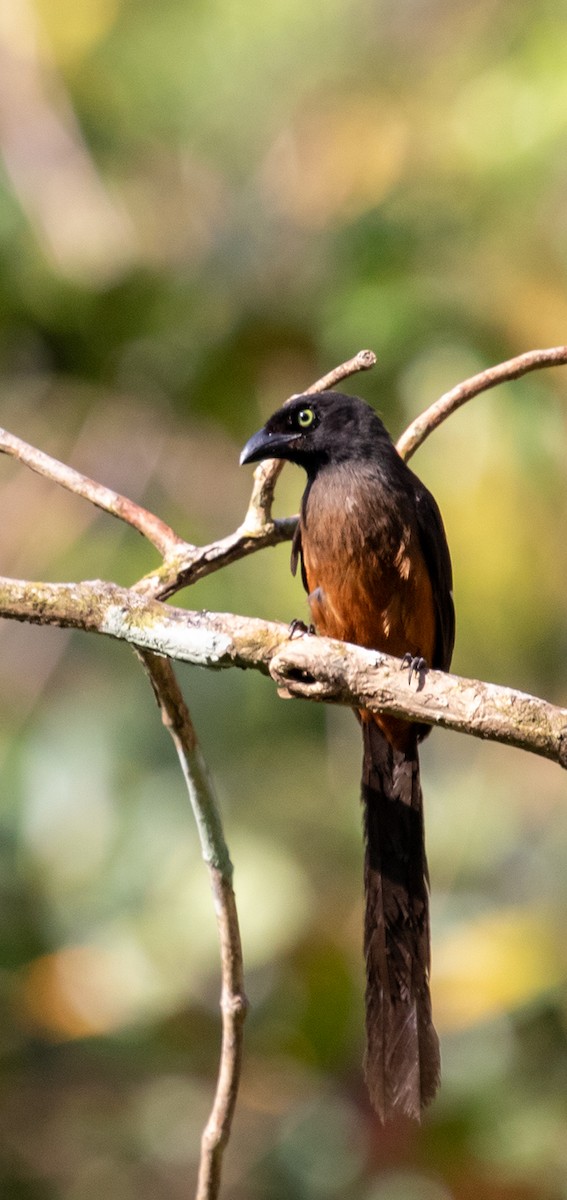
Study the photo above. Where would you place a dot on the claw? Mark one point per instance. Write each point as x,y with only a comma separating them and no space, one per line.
417,665
299,626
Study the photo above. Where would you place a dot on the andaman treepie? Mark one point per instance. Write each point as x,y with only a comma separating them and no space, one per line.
376,567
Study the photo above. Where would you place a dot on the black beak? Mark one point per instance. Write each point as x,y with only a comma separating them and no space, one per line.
266,445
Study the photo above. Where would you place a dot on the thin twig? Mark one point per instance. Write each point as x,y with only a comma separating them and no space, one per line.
177,721
155,530
317,668
363,361
513,368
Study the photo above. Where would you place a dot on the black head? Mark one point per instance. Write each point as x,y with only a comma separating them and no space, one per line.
316,430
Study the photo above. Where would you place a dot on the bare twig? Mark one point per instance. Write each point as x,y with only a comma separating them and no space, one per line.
177,721
513,368
316,668
155,530
184,563
363,361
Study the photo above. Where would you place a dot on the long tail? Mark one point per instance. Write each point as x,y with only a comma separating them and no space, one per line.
402,1052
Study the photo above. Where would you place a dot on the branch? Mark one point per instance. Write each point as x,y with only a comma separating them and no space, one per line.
186,563
189,563
177,721
155,530
315,668
419,430
322,670
183,563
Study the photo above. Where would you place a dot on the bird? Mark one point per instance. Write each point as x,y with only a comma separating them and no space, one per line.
376,567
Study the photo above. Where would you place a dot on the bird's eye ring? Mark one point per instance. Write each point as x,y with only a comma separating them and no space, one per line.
305,418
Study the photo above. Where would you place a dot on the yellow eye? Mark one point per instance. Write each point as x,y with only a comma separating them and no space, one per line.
305,417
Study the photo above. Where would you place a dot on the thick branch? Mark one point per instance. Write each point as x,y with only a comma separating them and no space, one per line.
316,668
177,721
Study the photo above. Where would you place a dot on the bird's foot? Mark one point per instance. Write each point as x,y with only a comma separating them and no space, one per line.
417,666
298,626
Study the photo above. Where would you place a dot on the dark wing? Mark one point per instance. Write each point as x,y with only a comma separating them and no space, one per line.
297,555
438,562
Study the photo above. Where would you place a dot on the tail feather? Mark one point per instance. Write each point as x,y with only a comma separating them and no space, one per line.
402,1061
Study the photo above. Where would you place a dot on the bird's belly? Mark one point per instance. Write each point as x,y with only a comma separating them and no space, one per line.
383,606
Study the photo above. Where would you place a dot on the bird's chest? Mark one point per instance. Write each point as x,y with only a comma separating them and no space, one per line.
363,566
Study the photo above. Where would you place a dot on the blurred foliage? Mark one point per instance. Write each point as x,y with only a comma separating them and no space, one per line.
203,207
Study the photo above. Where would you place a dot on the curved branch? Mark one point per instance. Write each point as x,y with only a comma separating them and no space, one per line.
315,668
155,530
177,721
183,563
513,368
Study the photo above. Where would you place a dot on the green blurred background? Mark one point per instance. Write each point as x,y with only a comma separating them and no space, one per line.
203,207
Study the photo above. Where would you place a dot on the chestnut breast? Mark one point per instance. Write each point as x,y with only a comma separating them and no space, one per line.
367,579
